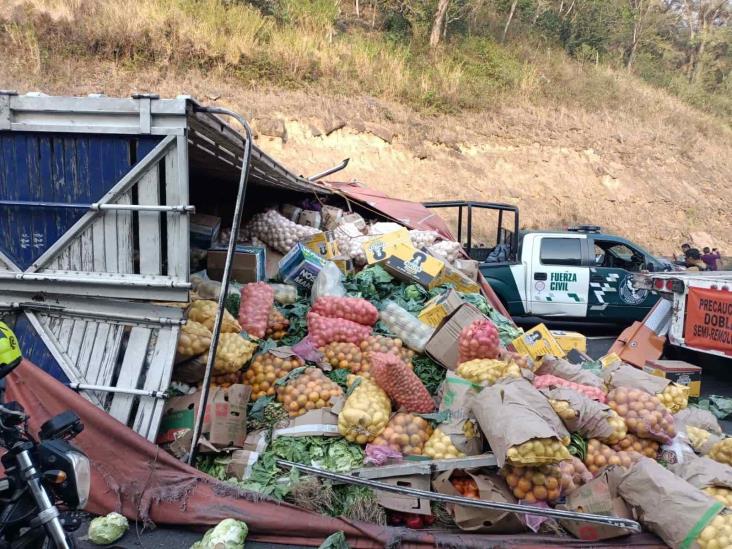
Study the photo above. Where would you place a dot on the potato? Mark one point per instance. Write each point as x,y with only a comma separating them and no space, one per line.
266,369
232,353
439,446
720,493
675,397
486,371
532,484
194,340
365,413
537,451
204,311
717,534
405,433
722,451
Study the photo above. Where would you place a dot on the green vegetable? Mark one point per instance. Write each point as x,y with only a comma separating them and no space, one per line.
213,465
720,406
335,541
232,304
429,372
227,534
372,283
578,446
108,529
507,330
339,376
296,314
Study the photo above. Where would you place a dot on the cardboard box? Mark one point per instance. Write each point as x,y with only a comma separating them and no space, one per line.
469,267
537,342
378,248
412,265
403,503
291,212
248,265
595,497
443,345
439,307
225,420
241,464
345,264
310,218
204,230
300,267
473,519
315,423
570,340
677,371
332,217
324,244
450,275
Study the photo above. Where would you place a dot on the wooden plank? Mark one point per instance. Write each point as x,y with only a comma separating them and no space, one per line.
75,339
176,194
98,255
91,368
125,248
86,345
86,244
105,372
129,374
111,253
71,371
64,333
157,378
121,187
148,193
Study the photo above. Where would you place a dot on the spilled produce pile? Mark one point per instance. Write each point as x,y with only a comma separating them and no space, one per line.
372,352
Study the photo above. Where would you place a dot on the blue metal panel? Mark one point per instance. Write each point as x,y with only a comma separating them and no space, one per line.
35,350
66,168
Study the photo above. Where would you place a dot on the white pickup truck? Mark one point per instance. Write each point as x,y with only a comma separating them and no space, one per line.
701,312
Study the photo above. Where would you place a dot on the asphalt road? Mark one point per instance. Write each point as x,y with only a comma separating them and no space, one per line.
715,380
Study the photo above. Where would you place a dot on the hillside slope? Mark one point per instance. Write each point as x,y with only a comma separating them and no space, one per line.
635,160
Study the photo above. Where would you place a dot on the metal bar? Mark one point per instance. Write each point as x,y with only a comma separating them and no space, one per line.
468,502
99,207
235,223
88,314
470,231
102,280
500,226
329,171
460,225
106,389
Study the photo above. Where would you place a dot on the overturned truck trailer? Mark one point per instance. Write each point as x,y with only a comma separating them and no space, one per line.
95,199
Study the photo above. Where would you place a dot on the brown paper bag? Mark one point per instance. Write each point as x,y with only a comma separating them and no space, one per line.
620,374
473,519
696,417
667,505
456,395
513,411
566,370
702,472
592,417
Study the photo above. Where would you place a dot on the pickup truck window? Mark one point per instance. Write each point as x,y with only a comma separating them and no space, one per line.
561,251
619,256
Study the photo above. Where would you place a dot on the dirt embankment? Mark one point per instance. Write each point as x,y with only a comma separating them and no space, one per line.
659,181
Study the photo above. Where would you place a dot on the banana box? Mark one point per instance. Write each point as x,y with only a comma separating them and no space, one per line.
570,340
380,247
450,275
408,263
324,244
537,343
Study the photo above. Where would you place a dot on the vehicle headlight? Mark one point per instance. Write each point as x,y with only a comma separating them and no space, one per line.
82,472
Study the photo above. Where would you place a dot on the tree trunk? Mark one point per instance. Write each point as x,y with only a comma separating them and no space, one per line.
358,11
508,21
698,59
438,22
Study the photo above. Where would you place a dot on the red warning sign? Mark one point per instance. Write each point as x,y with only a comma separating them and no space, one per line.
708,323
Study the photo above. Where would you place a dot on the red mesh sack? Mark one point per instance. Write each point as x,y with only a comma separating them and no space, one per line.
400,383
257,299
323,330
548,381
479,340
354,309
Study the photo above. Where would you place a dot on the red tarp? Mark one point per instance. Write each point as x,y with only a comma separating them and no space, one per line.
411,214
135,477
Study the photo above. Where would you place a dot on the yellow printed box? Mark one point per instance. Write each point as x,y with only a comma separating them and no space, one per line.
570,340
380,247
450,275
439,307
537,343
412,265
323,244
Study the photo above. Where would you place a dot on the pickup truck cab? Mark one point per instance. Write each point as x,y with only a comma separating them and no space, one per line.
580,273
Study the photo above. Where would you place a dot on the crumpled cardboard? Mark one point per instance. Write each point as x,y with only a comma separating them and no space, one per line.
513,411
403,502
702,472
473,519
665,504
592,416
320,422
620,374
241,464
696,417
566,370
456,394
597,498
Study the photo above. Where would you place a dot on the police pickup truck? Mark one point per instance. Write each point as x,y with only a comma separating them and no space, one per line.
580,273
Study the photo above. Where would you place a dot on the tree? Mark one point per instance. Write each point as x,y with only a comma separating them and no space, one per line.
438,22
508,21
639,10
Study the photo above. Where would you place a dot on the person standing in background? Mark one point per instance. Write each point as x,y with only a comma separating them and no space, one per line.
694,261
711,258
681,259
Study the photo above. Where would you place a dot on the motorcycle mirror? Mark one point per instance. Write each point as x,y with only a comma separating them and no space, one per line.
5,369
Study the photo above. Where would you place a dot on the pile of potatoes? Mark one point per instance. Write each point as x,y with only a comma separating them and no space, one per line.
267,368
486,371
538,451
406,433
439,446
308,391
534,484
365,413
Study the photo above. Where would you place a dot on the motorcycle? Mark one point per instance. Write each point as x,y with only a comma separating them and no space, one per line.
41,476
